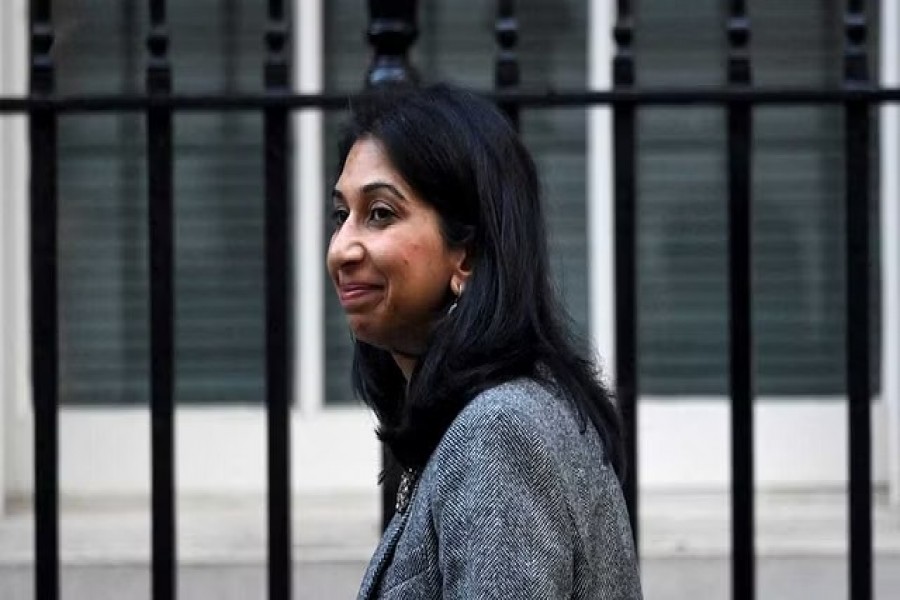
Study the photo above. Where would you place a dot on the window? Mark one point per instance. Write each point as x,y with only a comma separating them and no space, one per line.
798,200
682,191
104,337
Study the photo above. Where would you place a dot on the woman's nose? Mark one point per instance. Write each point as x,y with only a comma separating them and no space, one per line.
346,247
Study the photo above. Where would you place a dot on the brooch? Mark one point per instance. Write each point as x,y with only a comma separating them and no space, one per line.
405,490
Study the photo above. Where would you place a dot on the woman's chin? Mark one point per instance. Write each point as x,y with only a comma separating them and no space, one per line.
363,331
398,345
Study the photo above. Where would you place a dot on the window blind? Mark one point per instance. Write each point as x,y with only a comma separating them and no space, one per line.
798,200
104,289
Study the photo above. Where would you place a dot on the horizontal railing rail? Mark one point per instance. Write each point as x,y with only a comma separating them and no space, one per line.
77,103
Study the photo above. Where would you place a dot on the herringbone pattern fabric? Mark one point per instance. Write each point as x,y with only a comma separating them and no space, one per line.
514,504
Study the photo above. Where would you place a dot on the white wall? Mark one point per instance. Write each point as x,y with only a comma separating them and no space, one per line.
219,451
890,241
309,211
13,239
4,253
601,274
685,443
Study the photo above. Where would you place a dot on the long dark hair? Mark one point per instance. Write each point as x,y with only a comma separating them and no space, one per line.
462,157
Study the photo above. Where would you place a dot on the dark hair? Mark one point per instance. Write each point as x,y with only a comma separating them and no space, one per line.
465,160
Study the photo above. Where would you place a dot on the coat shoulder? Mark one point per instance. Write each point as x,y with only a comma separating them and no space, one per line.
533,409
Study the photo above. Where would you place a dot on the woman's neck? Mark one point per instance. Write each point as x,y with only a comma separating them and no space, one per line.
406,362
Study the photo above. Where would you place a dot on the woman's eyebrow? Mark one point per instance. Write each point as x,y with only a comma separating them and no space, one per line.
338,196
382,185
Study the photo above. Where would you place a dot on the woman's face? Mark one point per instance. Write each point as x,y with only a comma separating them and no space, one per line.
387,258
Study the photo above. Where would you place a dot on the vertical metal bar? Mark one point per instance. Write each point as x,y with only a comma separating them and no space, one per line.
506,69
625,176
278,318
44,315
392,30
159,156
743,578
856,153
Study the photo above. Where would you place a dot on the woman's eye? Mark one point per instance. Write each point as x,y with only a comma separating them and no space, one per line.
338,216
380,213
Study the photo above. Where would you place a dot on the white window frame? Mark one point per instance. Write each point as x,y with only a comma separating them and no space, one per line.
14,344
890,244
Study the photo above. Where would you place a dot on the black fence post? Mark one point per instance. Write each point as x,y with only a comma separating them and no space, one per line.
44,317
743,579
162,367
278,294
506,68
392,30
856,155
624,176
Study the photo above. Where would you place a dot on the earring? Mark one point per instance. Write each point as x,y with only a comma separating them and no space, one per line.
458,292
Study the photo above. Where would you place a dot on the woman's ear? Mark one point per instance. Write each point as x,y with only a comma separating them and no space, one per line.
462,270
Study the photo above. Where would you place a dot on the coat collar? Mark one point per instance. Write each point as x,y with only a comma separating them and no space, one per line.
382,557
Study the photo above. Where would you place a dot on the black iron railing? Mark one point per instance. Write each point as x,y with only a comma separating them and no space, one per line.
392,31
162,307
740,128
44,302
278,300
859,390
625,248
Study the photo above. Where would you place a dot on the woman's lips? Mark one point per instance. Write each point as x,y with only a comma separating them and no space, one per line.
354,295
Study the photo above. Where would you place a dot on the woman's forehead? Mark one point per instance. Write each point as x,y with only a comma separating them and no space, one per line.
368,163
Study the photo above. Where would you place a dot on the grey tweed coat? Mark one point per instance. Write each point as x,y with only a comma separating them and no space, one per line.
514,504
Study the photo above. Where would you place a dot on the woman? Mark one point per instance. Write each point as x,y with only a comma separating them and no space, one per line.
510,445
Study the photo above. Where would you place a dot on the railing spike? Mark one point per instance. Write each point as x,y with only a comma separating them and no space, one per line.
506,69
392,30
